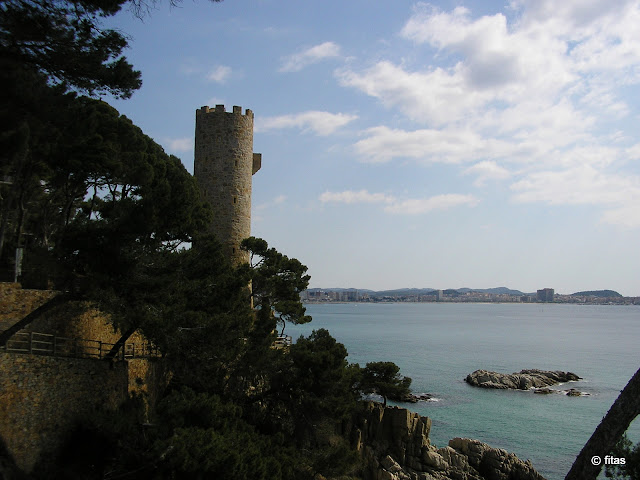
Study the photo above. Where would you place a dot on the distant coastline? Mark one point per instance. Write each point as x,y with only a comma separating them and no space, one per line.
463,295
631,302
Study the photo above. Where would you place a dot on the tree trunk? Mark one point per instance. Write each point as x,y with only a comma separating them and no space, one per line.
38,312
20,157
119,344
626,407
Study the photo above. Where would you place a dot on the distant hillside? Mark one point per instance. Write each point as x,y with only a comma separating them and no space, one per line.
597,293
361,290
399,292
495,290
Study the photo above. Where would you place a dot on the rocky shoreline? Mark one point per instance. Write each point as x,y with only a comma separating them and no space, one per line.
394,444
532,379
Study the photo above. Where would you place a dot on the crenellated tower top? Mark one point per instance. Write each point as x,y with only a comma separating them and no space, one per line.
221,109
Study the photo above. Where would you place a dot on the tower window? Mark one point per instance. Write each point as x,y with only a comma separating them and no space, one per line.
235,199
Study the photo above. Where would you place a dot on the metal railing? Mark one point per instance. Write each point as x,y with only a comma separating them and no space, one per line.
283,341
47,344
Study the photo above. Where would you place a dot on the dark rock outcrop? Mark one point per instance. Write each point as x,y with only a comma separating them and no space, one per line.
524,380
394,444
412,397
572,392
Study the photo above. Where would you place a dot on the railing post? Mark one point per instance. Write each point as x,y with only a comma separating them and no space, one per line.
54,345
30,342
99,349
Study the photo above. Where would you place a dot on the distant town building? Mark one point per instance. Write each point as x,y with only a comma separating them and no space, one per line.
545,295
439,295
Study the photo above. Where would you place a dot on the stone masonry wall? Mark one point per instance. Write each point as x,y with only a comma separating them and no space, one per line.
223,165
41,396
79,320
16,303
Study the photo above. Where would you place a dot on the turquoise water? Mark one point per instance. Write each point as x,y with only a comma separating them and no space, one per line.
437,345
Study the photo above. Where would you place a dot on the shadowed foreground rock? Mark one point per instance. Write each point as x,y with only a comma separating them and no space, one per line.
395,445
524,380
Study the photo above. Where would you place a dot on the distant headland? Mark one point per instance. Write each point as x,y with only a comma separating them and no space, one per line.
481,295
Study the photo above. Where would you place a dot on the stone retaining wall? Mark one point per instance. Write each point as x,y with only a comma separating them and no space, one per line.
41,396
16,303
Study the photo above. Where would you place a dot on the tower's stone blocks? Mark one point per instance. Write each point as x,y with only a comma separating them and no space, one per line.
223,165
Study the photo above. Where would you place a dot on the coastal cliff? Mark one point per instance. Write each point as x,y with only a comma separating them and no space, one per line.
394,443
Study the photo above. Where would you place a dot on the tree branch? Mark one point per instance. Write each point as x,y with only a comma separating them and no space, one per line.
119,344
611,428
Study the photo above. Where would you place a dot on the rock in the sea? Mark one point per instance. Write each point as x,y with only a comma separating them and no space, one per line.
572,392
412,398
543,391
523,380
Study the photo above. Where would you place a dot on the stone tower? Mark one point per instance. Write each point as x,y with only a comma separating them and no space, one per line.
223,165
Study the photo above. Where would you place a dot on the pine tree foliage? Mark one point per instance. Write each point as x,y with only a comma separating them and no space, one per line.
64,41
384,379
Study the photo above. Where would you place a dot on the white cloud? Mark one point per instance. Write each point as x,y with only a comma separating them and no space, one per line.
493,62
279,200
320,123
434,97
220,74
382,144
393,205
506,61
576,186
418,206
298,61
361,196
213,101
184,144
578,55
618,194
601,35
487,170
537,96
633,152
627,216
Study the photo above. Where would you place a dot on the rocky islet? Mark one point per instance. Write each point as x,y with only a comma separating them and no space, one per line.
533,379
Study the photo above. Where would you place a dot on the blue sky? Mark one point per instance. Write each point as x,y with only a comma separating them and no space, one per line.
409,144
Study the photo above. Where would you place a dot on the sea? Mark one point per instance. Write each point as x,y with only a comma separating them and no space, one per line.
439,344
